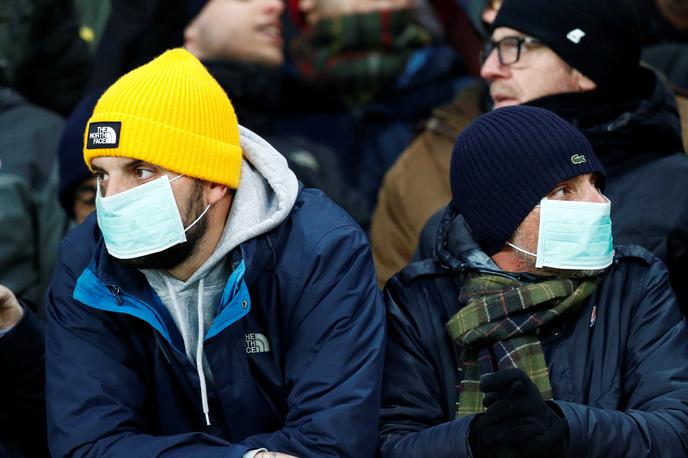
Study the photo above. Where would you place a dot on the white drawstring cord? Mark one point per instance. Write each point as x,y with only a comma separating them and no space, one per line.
199,355
199,350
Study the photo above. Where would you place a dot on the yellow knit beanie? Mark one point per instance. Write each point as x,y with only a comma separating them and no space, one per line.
172,113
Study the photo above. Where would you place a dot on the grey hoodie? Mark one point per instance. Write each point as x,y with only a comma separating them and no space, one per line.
266,194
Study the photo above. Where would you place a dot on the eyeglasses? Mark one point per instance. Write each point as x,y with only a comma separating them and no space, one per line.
508,49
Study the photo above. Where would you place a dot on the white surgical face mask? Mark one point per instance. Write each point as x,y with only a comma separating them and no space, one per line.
573,235
142,220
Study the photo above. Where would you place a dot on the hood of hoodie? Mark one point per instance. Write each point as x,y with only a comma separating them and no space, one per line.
265,197
628,128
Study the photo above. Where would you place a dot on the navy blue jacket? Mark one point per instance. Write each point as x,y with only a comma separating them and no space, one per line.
120,384
22,390
618,368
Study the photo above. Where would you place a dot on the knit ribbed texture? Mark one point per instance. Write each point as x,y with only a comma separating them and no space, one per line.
600,38
506,161
175,115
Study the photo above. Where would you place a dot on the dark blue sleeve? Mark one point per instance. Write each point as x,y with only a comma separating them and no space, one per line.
95,396
22,386
413,419
654,420
334,361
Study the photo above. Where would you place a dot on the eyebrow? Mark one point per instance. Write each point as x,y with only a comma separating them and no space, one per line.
127,165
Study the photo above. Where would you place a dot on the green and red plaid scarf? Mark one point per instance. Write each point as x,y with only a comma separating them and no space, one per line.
359,55
499,325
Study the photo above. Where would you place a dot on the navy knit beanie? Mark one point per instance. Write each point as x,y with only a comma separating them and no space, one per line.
506,161
600,38
70,151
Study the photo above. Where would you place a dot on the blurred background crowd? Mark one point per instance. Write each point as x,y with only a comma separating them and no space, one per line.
342,88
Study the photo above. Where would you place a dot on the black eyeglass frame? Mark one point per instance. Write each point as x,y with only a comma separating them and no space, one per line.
520,41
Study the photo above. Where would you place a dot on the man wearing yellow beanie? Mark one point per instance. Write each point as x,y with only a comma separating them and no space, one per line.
212,306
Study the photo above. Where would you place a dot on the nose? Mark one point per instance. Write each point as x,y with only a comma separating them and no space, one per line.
112,187
492,68
593,194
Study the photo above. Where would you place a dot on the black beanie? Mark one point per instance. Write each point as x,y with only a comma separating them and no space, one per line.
506,161
599,38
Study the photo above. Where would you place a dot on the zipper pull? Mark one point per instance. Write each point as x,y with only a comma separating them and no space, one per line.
114,290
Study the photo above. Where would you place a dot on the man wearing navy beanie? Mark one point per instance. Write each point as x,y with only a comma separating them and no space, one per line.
531,334
581,60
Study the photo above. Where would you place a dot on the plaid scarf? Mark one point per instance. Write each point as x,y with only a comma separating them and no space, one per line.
359,55
498,329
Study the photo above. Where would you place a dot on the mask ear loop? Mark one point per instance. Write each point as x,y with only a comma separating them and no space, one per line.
521,250
198,219
199,216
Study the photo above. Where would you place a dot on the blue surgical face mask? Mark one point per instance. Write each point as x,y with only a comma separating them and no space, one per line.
142,220
574,235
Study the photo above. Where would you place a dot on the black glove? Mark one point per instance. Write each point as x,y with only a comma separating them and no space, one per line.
518,422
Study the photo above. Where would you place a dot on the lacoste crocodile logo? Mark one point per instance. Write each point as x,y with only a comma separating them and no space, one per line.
578,159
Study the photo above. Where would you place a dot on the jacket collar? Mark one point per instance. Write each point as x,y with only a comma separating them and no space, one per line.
455,247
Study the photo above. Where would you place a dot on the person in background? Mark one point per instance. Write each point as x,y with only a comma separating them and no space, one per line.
665,38
77,189
241,43
42,54
415,186
211,306
377,69
532,334
31,220
596,82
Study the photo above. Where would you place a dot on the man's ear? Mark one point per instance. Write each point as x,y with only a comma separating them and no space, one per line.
216,191
584,83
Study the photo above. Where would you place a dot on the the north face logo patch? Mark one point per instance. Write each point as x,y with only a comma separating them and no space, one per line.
103,135
578,159
575,36
257,343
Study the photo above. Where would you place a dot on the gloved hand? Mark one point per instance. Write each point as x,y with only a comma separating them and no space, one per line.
518,422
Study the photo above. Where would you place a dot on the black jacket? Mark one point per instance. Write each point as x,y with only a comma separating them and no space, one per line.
618,367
